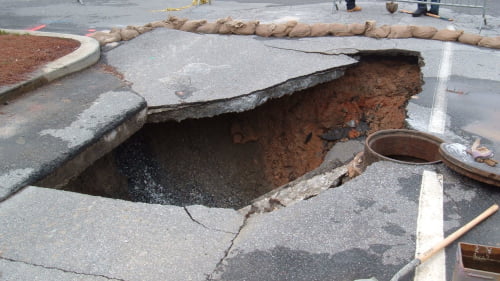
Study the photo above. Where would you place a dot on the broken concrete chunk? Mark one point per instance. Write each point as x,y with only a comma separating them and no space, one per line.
447,35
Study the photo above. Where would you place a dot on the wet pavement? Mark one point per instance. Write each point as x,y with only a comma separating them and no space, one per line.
370,226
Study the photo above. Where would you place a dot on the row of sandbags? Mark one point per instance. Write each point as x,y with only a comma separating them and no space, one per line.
296,29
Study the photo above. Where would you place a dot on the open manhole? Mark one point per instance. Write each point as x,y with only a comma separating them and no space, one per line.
231,159
402,146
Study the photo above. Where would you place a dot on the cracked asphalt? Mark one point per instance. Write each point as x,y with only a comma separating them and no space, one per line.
366,227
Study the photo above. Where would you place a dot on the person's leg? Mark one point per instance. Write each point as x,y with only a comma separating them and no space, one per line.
421,9
434,8
351,6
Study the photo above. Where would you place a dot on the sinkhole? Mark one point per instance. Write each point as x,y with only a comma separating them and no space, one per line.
230,159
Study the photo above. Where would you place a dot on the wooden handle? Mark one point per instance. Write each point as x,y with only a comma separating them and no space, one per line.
438,17
455,235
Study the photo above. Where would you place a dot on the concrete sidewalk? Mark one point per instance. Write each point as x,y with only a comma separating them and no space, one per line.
366,227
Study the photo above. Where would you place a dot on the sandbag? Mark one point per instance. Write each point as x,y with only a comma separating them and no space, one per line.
224,27
175,22
447,35
192,25
265,29
300,30
376,32
400,31
320,29
209,28
356,28
340,29
104,37
283,29
159,24
423,32
243,28
128,34
490,42
144,29
471,39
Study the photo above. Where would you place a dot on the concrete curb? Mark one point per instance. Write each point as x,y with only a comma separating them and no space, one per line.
86,55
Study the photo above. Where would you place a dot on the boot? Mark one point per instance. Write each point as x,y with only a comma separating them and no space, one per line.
421,10
434,10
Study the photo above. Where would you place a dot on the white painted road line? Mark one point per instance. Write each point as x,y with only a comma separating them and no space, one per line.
437,122
430,227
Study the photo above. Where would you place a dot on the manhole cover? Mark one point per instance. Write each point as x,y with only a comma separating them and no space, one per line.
402,146
455,156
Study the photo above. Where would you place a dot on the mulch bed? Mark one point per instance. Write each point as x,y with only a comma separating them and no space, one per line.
22,54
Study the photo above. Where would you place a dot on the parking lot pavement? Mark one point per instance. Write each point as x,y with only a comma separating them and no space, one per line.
370,226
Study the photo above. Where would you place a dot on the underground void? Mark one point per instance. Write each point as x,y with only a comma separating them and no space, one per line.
231,159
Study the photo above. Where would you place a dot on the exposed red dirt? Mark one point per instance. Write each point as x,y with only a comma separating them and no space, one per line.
289,129
22,54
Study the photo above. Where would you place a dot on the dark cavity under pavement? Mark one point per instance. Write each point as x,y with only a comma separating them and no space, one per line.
229,160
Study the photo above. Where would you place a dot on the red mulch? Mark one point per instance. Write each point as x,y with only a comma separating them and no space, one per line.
22,54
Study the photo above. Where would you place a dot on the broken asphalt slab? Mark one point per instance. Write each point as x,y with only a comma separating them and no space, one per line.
191,75
61,128
100,237
361,229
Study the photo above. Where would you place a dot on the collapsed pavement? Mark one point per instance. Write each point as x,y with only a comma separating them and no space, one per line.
364,228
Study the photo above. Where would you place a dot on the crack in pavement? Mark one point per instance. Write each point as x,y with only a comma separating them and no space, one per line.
228,250
331,52
204,226
63,270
